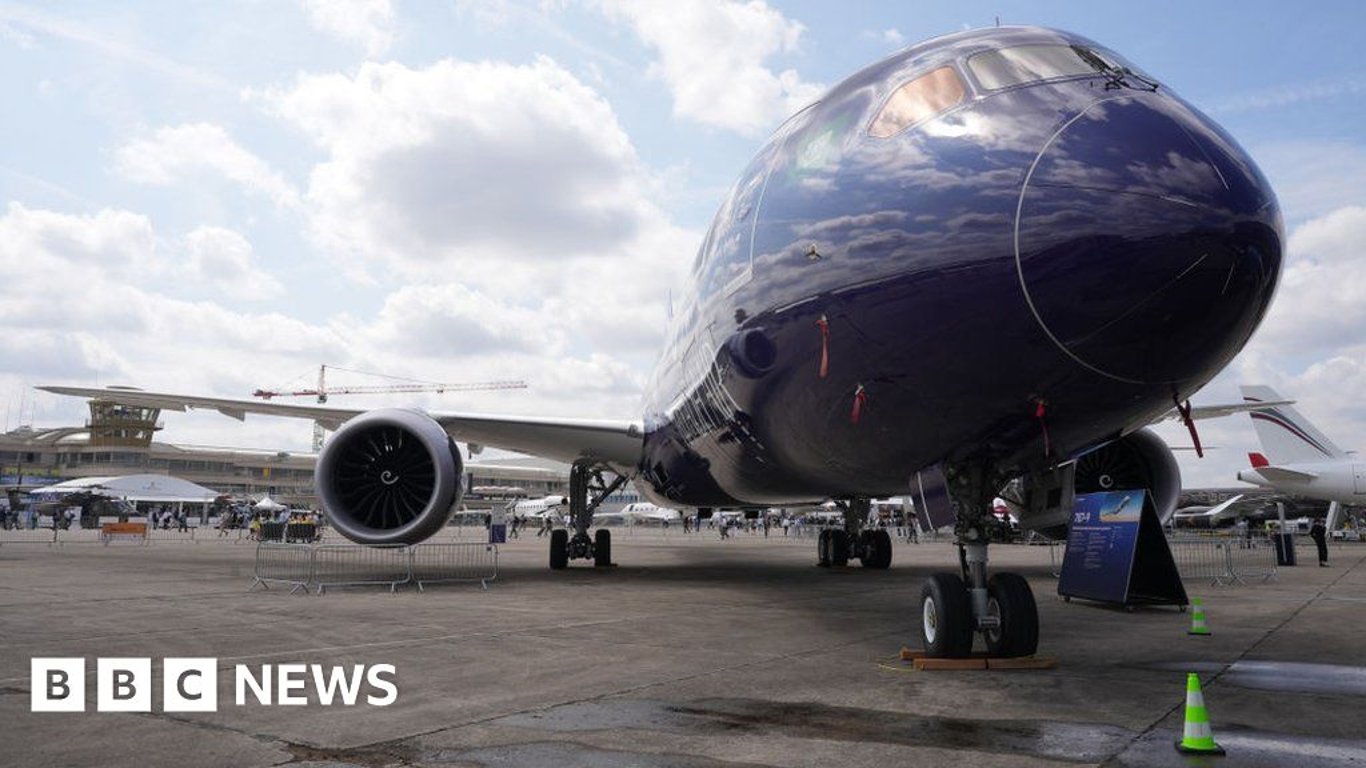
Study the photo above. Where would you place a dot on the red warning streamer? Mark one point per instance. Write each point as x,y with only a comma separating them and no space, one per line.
824,325
860,398
1041,413
1185,410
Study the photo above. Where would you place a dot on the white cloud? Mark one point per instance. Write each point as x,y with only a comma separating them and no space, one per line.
1313,178
415,317
1279,97
891,36
123,318
429,164
368,23
713,54
1321,302
177,153
224,260
439,172
19,37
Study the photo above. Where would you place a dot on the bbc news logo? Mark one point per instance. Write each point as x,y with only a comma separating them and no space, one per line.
191,685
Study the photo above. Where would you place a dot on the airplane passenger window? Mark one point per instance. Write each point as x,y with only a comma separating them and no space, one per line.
917,101
1031,63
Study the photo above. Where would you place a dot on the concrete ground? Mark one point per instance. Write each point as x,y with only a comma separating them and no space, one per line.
693,652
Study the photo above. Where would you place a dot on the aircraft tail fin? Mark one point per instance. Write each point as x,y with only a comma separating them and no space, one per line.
1286,436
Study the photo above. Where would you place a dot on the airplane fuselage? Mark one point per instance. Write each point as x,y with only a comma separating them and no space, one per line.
949,258
1340,481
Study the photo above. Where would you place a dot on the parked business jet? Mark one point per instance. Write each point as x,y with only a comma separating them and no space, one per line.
641,513
1299,460
539,508
996,255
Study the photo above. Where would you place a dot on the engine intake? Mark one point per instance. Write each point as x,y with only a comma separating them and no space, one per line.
389,476
1043,502
1137,460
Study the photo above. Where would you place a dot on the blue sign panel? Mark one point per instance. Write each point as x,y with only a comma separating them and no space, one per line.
1100,545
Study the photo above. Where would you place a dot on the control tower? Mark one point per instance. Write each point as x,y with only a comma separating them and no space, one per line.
113,424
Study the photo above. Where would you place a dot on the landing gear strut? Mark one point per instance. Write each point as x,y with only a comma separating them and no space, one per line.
954,606
587,489
872,547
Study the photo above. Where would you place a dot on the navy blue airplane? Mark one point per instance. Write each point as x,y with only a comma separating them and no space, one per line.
993,257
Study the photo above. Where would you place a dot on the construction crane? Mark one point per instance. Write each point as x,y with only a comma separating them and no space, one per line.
322,391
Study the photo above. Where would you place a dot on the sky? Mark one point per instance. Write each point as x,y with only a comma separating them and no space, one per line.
212,198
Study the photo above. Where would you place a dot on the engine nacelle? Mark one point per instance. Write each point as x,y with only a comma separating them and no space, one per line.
1140,459
389,476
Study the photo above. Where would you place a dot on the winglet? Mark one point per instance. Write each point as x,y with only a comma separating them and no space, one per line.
1258,460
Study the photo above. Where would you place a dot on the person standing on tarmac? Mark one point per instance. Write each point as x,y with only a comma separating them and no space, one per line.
1319,533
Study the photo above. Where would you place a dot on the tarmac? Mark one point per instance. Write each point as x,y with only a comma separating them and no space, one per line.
691,653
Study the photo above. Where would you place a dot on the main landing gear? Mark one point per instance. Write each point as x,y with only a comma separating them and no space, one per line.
835,547
953,606
585,481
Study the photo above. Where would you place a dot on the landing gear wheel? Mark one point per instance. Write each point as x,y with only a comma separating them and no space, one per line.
602,548
823,549
1010,599
945,617
838,547
559,549
877,550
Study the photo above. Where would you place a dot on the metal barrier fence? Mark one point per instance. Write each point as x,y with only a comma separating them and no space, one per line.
283,564
348,565
319,566
431,563
1223,560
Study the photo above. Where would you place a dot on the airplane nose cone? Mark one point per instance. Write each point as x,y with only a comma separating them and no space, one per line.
1148,243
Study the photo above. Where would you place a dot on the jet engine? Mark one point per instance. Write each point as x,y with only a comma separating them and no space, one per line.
1138,460
389,476
1043,502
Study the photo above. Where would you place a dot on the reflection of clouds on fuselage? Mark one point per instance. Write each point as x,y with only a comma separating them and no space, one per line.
857,223
885,277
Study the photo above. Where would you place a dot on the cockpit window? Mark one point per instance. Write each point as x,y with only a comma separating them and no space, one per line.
917,101
1031,63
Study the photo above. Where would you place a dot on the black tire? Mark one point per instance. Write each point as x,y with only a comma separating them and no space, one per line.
823,549
1009,595
559,549
945,617
877,550
838,547
602,548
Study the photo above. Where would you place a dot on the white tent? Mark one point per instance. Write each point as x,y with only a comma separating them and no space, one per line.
157,489
267,504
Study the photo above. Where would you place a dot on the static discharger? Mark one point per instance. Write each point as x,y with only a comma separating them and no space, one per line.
860,400
1041,413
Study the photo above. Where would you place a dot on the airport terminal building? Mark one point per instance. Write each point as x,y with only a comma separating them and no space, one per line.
120,440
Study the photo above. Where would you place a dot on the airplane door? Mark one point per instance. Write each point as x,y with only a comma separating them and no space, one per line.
1359,479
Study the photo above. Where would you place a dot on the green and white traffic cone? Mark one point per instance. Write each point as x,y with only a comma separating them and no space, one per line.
1198,625
1197,739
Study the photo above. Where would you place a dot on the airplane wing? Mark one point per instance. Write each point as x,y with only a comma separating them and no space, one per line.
616,443
1218,411
1215,511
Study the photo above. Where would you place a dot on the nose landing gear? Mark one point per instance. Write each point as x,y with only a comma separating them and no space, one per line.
953,607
